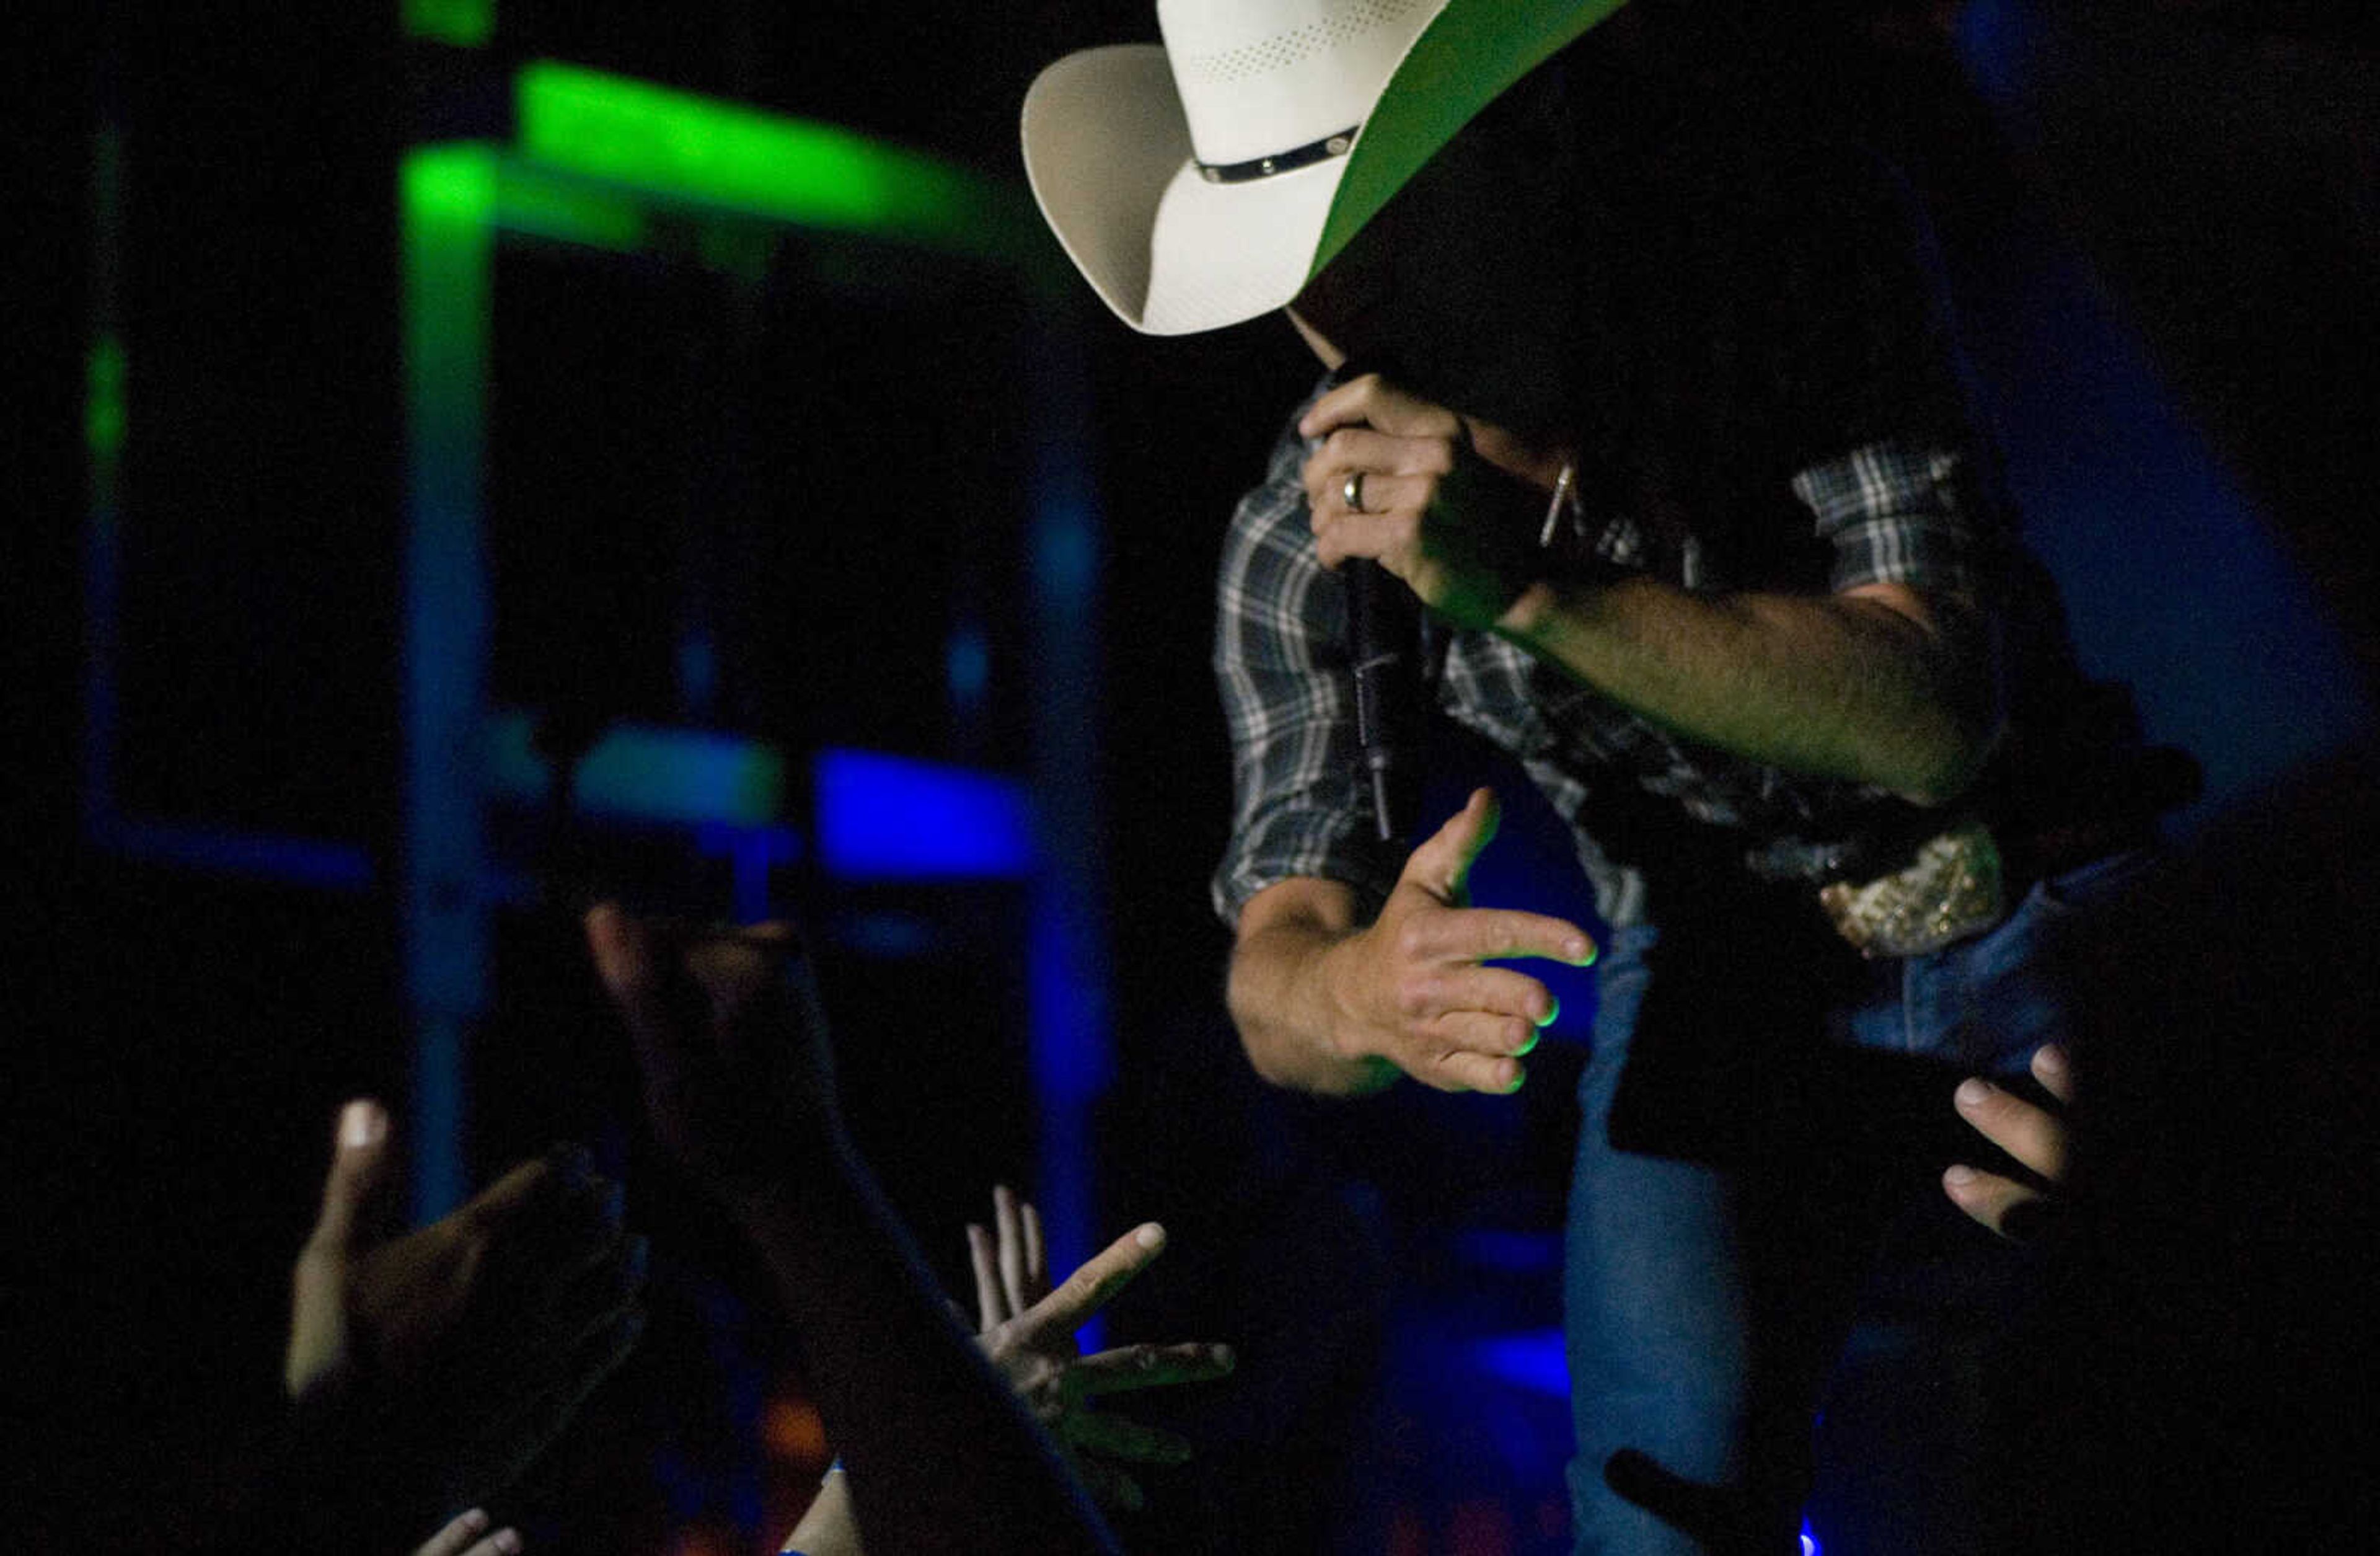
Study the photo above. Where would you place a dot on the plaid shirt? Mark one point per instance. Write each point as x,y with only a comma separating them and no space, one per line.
1886,512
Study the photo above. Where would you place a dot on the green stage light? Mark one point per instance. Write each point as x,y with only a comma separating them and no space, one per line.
645,773
571,210
468,24
621,165
449,197
103,420
629,133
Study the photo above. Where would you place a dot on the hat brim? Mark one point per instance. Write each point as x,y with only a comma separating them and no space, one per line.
1106,150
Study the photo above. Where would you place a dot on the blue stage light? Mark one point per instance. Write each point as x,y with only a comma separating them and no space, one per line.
1530,1360
893,817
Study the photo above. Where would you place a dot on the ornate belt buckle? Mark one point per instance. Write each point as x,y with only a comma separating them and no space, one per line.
1955,888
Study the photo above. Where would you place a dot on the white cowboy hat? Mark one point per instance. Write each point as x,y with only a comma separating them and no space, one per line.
1204,182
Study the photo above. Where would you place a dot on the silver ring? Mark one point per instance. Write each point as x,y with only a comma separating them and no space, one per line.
1350,492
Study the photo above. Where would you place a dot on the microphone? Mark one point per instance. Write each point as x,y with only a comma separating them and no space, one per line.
1384,648
1384,644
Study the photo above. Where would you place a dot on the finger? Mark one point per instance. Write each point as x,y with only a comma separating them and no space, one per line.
1149,1367
2005,1206
629,965
1502,934
991,1306
1482,991
1391,456
460,1532
563,1182
625,961
1384,536
1473,1032
1373,401
1093,1285
318,1281
460,1537
1379,453
1112,1436
358,1156
1344,405
1109,1485
1037,1253
529,1185
1397,497
1441,865
2054,1071
2032,1135
1012,1247
552,1219
1461,1070
1505,934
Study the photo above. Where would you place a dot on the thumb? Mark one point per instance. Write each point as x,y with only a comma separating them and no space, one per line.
318,1285
624,956
358,1154
633,974
1441,865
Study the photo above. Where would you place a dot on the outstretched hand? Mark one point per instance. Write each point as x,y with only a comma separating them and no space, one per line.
1028,1333
1416,980
449,1357
731,1044
2035,1136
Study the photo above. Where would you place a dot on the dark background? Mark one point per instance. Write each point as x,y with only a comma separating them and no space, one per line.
2167,286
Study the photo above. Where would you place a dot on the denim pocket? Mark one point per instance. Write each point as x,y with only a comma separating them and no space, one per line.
2045,907
1993,999
2088,884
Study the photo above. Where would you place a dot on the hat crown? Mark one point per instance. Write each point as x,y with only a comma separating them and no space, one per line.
1257,77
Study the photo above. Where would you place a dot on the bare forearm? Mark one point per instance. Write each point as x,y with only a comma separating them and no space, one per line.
940,1455
1842,686
1281,999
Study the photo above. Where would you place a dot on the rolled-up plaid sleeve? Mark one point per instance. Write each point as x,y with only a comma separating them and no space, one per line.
1899,511
1281,665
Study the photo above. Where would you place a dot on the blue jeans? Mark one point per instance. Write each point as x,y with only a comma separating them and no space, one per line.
1743,1148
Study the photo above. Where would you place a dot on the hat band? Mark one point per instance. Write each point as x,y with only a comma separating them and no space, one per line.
1279,162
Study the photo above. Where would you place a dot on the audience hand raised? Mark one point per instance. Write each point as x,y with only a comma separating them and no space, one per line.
732,1046
444,1360
1028,1333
